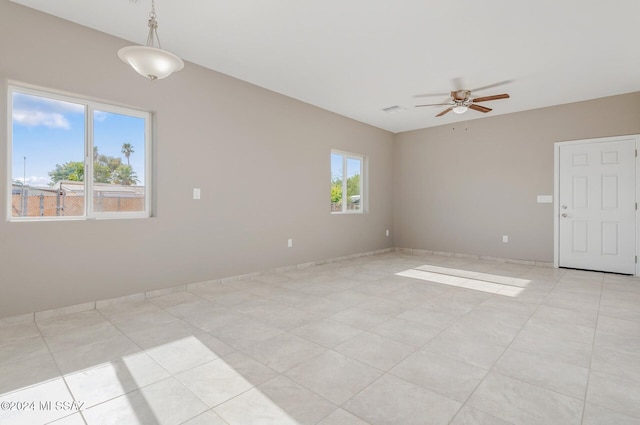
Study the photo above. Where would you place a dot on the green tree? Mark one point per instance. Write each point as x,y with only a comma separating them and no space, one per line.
73,170
104,167
127,150
353,185
102,173
125,175
336,191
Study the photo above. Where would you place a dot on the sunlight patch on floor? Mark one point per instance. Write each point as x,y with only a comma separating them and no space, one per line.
484,282
141,388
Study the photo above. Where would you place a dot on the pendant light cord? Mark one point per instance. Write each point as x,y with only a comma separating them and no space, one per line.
152,38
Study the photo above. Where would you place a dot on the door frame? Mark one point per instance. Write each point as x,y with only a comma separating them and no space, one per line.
556,191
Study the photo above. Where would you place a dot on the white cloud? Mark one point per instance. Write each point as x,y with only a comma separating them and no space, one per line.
100,116
27,101
34,118
35,180
33,111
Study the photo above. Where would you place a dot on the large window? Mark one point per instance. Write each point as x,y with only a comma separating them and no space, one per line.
347,181
75,158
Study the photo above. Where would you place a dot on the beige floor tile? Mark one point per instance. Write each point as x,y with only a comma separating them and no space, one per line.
75,419
290,318
68,322
375,350
113,379
22,349
165,402
596,415
29,405
215,382
88,356
460,344
342,417
429,317
327,333
524,404
392,400
12,332
615,393
470,416
247,333
31,371
80,336
551,374
182,354
207,418
334,376
406,332
284,351
277,401
360,318
443,375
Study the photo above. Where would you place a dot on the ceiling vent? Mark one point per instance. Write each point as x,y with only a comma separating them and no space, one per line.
393,109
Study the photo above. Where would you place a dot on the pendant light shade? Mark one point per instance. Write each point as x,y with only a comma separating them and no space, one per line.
150,61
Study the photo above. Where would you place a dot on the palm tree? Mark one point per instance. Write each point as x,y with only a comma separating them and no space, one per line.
127,150
125,176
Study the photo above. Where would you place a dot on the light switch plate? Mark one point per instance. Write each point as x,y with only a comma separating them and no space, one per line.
196,193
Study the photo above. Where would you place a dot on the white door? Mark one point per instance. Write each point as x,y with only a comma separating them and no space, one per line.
597,225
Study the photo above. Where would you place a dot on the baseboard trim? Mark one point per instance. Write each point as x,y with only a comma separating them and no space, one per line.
413,251
141,296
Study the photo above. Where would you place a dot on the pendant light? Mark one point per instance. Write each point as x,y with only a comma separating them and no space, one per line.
150,61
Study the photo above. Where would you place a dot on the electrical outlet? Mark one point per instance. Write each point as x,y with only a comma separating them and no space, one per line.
505,238
289,243
387,232
196,193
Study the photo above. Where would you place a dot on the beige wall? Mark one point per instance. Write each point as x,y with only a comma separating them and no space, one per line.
261,160
460,187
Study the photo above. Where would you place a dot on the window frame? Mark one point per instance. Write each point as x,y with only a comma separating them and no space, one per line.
90,106
364,198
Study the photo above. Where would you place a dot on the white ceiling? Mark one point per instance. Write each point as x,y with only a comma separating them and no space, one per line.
356,57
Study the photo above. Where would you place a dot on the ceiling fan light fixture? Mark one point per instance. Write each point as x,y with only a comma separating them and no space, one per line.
460,109
150,61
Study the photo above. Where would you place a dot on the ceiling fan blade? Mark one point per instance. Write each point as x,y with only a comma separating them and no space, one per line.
433,104
494,97
430,95
480,108
490,86
444,112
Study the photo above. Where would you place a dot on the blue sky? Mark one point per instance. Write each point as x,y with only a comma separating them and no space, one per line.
50,132
353,166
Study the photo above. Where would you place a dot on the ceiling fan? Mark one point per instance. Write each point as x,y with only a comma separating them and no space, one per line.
461,101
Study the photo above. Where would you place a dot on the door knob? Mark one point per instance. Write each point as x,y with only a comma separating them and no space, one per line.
564,207
565,215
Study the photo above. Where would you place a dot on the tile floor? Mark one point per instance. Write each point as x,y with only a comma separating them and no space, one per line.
390,339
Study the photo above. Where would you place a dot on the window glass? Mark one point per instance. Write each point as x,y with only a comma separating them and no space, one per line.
347,182
354,167
47,151
336,182
52,172
118,162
